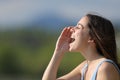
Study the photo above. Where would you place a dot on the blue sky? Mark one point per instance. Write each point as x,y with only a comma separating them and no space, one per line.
22,11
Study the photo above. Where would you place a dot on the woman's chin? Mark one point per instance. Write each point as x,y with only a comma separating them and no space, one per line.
72,49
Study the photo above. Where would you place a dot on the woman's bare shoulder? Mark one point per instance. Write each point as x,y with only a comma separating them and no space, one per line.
81,65
108,71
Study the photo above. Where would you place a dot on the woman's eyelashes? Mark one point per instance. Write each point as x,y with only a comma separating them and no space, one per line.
78,27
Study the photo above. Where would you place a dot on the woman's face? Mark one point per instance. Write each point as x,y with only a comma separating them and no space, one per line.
80,36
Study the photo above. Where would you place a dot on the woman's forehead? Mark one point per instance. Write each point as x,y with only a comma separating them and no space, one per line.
83,21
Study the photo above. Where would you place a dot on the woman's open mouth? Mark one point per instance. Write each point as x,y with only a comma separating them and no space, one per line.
72,40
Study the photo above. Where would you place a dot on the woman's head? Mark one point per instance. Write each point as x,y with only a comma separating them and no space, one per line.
103,34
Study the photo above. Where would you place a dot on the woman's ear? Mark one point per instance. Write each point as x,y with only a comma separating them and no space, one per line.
91,40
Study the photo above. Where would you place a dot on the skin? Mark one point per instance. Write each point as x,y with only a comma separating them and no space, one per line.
85,45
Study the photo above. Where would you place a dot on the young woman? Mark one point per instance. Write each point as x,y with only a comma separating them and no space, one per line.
94,38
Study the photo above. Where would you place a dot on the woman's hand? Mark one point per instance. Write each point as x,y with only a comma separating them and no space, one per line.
63,41
62,46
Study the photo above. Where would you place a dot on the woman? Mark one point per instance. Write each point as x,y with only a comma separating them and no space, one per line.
94,38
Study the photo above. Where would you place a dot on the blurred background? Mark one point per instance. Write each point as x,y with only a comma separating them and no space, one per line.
29,30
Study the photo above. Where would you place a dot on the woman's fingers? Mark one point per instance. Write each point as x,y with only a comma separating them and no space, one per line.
66,32
64,39
69,32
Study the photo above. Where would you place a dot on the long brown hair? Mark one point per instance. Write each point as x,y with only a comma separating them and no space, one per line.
102,31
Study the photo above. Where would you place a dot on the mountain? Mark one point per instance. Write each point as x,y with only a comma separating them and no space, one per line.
51,21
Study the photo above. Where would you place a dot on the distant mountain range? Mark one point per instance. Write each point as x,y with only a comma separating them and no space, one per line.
51,21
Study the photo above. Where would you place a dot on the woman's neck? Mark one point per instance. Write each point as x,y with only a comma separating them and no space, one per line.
91,54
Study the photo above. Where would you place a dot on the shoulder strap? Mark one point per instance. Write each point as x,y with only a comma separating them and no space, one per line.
96,70
83,71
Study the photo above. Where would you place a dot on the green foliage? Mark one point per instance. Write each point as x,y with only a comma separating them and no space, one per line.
27,52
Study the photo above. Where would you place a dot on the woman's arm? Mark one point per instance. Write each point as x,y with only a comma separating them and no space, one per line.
62,46
51,70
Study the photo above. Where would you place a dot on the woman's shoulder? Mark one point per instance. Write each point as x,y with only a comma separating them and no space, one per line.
82,64
108,66
108,70
79,68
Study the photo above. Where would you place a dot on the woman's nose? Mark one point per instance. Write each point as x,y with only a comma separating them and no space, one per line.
72,30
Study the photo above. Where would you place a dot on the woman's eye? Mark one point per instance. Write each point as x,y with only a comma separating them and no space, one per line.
78,26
